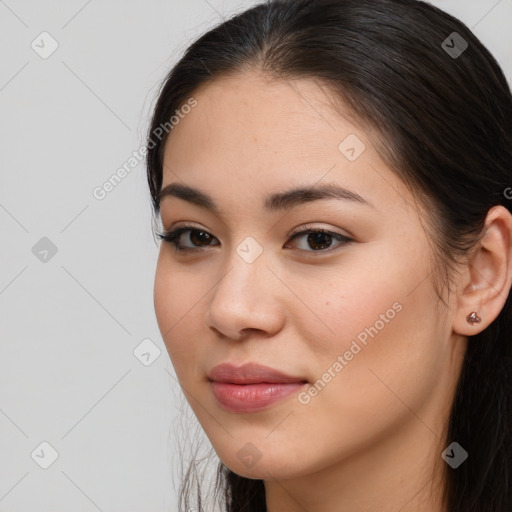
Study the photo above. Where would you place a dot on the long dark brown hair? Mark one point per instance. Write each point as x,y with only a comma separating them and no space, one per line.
443,111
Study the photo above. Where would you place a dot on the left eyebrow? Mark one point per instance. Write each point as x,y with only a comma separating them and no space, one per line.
273,203
302,195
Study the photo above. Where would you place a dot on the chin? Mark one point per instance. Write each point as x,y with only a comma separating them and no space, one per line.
251,462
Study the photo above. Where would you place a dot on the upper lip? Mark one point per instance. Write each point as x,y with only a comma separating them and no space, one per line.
250,373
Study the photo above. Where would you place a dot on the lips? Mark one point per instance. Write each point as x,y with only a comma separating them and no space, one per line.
250,373
251,387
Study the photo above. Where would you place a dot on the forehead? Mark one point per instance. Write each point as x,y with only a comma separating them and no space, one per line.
248,134
247,112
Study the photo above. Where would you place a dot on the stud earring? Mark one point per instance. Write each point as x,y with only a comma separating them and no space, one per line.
473,318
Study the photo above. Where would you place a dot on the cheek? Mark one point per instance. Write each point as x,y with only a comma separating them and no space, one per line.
179,312
164,298
381,298
386,352
175,292
357,307
174,301
383,334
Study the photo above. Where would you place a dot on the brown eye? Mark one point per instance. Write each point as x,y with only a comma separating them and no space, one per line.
319,240
197,237
316,240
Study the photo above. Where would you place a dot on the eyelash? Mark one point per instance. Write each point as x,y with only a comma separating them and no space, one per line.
174,235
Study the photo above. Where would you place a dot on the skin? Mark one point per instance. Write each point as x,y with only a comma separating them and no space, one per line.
372,438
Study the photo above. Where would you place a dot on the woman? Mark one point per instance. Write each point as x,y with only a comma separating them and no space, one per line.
333,283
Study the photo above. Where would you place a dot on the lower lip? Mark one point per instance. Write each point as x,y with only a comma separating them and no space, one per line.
252,397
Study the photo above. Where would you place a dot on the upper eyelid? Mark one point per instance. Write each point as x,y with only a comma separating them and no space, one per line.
308,227
298,230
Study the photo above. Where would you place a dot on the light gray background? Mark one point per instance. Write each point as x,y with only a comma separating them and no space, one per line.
69,325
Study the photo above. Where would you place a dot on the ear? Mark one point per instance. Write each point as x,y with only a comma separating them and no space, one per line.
487,277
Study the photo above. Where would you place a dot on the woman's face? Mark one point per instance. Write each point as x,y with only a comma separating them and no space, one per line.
355,319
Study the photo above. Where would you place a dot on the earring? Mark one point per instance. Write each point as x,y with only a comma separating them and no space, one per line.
473,318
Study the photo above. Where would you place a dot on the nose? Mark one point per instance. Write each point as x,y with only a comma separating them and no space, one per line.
247,298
